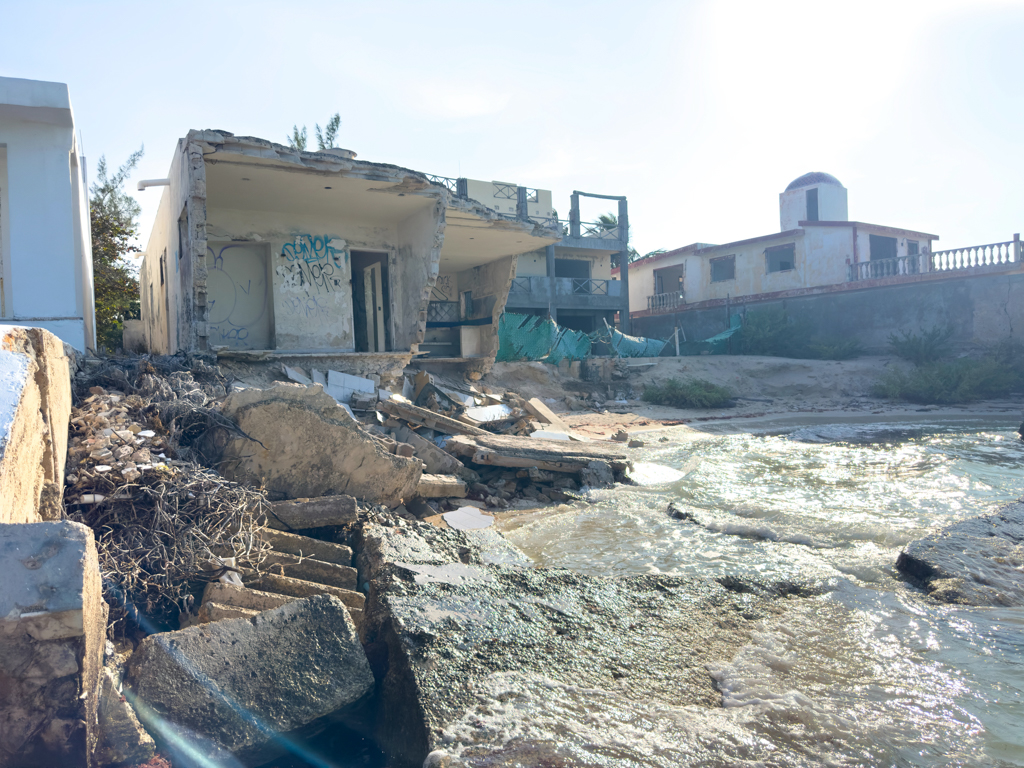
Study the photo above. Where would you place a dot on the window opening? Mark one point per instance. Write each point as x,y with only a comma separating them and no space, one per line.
812,204
723,268
882,247
781,258
913,248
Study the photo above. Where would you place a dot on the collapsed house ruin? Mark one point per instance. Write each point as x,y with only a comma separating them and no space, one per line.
266,252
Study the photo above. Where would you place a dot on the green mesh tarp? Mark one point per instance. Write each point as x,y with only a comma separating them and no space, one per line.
716,345
529,337
635,346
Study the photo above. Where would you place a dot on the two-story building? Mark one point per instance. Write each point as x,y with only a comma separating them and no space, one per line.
570,281
818,249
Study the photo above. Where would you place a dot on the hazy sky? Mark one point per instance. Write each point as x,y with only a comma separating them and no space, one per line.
699,112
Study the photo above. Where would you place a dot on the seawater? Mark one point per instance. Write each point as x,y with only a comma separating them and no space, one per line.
872,672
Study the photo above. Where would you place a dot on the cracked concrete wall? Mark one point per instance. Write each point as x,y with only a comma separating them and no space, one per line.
420,238
35,405
172,278
490,284
308,306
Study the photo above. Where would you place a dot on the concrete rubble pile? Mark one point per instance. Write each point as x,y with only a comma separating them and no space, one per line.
479,449
189,557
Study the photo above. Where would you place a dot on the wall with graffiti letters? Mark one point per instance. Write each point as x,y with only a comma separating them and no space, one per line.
238,296
312,275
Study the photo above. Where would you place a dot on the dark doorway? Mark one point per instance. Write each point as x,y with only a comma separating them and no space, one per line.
371,301
579,268
588,323
882,247
812,204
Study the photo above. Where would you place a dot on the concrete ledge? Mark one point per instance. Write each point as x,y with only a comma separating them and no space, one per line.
35,405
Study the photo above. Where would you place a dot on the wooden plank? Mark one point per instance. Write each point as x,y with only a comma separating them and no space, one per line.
428,418
556,455
537,407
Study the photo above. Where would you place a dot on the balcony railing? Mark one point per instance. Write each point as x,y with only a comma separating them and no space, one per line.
588,287
991,255
452,185
443,312
901,265
520,285
977,256
597,229
665,302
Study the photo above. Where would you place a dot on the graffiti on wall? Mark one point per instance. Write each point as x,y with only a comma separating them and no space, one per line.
238,296
444,289
305,307
314,264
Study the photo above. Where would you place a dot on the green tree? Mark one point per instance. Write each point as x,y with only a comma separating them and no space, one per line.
611,221
325,137
113,215
298,138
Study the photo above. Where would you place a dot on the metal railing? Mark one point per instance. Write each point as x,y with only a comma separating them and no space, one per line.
597,229
663,302
901,265
443,312
452,185
589,287
505,191
977,256
521,285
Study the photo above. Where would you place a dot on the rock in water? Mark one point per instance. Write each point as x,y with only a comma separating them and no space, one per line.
234,684
974,562
450,623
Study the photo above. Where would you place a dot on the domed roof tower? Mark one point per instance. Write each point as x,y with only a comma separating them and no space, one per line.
815,196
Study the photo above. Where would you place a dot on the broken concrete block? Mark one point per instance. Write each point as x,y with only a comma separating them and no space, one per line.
341,386
297,375
597,474
35,404
234,684
441,487
621,436
298,514
53,625
304,546
307,447
636,443
404,449
437,461
217,612
285,585
242,597
308,569
121,738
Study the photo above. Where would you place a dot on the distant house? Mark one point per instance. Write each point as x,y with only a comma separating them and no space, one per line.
845,279
817,246
45,243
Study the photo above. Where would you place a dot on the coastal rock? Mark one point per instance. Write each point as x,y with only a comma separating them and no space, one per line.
978,561
232,685
445,624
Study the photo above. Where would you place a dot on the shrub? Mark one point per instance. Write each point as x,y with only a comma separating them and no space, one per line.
931,346
953,381
771,332
691,393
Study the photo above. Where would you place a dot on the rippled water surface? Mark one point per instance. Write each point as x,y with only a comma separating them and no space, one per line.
871,673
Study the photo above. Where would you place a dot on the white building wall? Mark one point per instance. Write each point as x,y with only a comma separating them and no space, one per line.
46,253
832,205
494,194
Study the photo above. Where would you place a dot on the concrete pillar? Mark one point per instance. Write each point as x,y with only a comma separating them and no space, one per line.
549,254
574,215
624,322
